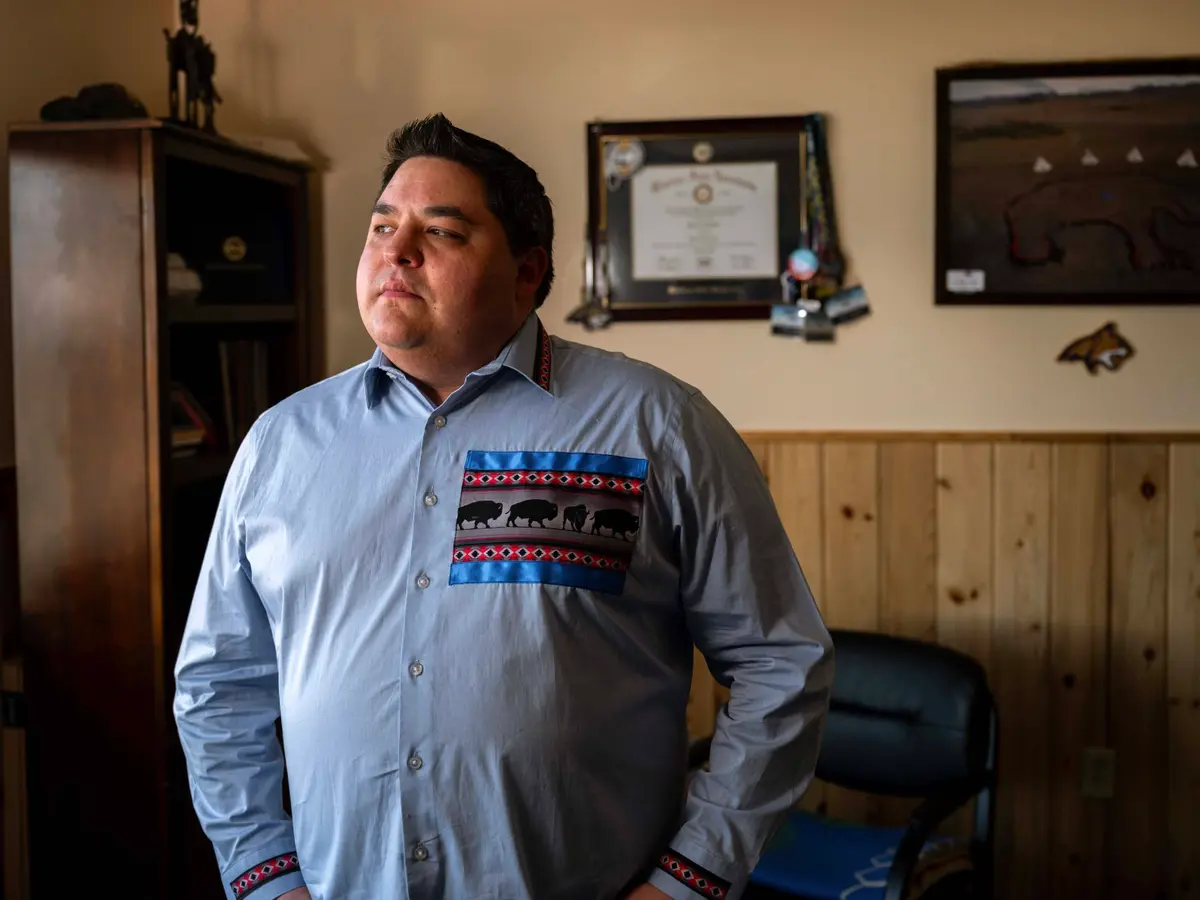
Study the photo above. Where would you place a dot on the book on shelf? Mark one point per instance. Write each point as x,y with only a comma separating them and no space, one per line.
243,386
191,426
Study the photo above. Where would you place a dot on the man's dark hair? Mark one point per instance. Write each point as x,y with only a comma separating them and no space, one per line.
514,194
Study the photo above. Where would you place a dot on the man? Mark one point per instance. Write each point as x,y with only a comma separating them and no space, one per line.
467,576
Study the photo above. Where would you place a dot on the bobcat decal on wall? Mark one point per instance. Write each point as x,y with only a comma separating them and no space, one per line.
1105,347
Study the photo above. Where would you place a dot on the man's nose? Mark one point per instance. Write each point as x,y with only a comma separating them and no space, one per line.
403,249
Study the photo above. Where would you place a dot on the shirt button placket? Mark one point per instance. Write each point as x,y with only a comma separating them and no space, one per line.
420,829
415,762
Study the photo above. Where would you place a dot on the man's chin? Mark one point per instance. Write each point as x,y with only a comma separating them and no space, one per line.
397,336
401,342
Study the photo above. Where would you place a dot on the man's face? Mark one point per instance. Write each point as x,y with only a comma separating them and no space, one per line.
436,276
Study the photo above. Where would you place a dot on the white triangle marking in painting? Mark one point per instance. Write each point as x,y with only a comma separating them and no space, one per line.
1089,158
1134,155
1042,165
1187,160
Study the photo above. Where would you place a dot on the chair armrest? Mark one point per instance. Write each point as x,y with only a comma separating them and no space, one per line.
925,818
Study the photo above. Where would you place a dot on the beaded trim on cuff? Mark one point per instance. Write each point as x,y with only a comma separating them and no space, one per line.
699,879
254,878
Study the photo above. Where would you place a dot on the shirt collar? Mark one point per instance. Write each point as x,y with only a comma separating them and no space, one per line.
529,353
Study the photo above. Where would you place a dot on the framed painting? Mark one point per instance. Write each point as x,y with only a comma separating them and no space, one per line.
1069,183
694,219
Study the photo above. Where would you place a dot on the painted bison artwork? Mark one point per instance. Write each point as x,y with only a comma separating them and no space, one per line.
620,522
479,513
1069,185
1149,215
533,511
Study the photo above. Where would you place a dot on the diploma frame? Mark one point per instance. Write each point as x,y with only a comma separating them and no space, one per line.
609,281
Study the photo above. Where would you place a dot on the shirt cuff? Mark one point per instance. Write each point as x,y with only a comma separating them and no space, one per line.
684,878
267,879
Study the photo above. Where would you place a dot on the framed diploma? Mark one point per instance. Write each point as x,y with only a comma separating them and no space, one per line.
691,219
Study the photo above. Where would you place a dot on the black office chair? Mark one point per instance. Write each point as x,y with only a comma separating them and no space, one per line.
907,718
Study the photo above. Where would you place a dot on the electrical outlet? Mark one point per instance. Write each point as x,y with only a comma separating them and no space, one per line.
1099,773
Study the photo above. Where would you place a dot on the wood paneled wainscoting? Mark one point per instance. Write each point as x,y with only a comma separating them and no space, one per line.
1069,565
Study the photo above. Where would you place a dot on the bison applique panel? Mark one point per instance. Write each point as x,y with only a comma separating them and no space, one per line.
549,518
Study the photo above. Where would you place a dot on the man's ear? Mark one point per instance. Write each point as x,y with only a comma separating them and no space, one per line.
531,269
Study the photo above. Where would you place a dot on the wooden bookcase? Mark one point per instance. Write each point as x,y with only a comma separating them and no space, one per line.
112,518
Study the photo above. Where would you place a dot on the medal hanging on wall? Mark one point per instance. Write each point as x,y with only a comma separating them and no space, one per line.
814,299
593,312
622,159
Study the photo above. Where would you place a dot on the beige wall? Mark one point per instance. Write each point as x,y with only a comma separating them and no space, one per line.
531,73
52,48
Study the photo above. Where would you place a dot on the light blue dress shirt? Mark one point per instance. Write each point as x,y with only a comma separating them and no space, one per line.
475,622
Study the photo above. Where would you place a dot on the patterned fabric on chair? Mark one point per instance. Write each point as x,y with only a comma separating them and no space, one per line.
818,858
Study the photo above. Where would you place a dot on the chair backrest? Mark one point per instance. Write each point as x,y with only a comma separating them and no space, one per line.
907,718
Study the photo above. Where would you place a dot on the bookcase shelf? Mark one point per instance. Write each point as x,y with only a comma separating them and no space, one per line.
233,314
111,379
189,470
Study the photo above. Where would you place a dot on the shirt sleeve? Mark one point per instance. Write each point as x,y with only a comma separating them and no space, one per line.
750,612
226,705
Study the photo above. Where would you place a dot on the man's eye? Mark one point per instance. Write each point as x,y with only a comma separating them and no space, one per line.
382,229
442,232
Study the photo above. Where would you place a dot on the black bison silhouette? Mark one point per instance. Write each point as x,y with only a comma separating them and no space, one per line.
533,510
575,516
620,522
481,512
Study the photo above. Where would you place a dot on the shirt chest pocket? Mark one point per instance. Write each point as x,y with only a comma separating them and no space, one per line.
549,518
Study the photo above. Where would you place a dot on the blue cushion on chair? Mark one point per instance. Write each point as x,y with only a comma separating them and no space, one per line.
819,858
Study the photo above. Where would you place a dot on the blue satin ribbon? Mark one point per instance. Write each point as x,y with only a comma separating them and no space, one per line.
525,572
549,461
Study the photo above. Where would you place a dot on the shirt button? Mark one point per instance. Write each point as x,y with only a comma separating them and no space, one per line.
422,581
415,762
416,670
439,422
420,853
431,499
